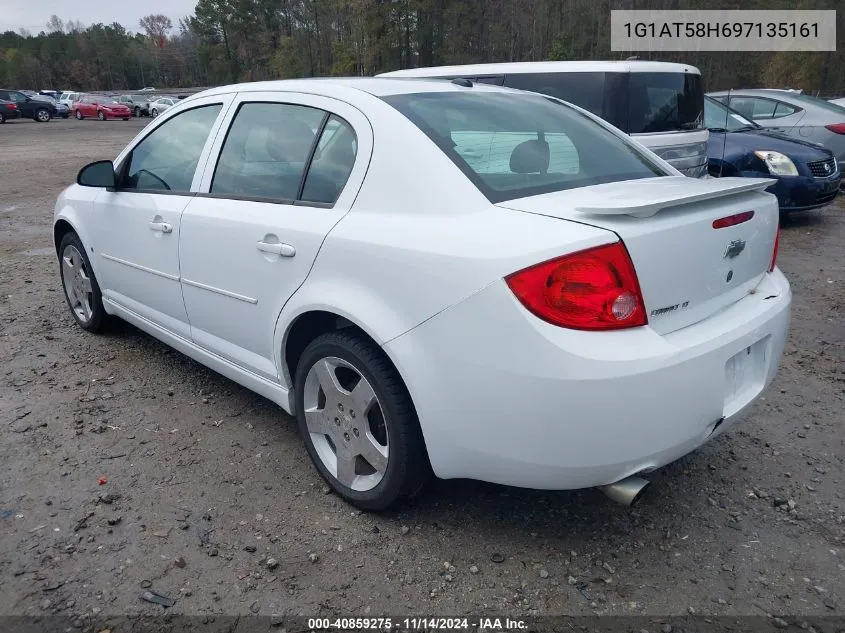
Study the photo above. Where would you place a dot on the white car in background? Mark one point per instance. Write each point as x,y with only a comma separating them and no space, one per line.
561,310
160,105
68,98
839,102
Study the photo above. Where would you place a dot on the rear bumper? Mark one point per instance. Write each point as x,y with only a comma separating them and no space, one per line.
507,398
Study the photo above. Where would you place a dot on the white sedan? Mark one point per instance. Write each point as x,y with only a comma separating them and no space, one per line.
433,277
160,105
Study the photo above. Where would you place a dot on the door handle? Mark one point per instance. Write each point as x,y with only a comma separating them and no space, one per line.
285,250
161,227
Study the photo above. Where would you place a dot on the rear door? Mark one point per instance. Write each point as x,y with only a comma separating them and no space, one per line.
285,172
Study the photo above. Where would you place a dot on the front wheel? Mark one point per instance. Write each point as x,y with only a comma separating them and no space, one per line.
42,115
154,113
358,422
78,115
82,291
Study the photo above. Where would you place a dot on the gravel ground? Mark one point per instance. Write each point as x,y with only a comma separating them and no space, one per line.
126,466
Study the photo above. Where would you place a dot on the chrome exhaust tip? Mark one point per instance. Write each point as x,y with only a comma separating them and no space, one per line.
627,491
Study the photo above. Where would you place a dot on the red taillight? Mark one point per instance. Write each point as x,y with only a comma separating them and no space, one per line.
733,220
12,106
775,249
594,289
838,128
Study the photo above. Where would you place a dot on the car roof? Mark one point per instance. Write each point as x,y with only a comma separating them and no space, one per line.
774,93
350,87
511,68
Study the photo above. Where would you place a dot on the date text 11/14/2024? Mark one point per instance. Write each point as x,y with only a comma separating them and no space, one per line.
416,624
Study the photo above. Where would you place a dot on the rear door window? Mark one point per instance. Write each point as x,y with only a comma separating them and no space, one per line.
266,151
332,162
784,109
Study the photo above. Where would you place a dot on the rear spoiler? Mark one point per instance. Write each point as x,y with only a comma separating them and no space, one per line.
642,199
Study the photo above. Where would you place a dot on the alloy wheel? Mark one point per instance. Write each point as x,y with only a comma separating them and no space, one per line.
346,423
77,283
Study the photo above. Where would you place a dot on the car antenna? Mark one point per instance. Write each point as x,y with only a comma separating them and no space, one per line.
725,133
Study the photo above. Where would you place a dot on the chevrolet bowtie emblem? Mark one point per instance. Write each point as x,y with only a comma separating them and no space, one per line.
734,249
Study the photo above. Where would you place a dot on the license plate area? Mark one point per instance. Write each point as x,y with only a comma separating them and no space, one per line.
745,375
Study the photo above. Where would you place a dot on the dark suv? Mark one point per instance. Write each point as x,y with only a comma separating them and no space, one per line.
29,107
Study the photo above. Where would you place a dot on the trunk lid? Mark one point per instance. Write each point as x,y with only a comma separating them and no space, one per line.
687,269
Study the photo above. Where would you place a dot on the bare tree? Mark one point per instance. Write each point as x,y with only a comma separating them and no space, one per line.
157,26
55,24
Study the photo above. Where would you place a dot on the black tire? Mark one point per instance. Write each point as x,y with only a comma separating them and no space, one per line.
408,468
2,118
99,318
137,112
79,115
101,116
42,115
153,113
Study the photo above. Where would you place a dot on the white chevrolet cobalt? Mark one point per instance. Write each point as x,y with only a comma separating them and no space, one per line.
437,276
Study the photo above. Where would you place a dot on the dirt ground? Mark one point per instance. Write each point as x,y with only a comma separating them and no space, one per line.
207,494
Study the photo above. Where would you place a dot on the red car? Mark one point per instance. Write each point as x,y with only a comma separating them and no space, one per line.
101,107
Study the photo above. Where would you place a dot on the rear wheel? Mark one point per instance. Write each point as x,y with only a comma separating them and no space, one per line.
358,422
2,118
82,291
78,115
42,115
101,116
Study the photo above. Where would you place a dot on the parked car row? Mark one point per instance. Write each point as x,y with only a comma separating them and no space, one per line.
663,107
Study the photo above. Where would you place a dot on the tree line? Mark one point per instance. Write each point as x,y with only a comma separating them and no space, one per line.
244,40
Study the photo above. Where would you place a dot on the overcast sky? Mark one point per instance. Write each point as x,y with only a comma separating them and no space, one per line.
33,14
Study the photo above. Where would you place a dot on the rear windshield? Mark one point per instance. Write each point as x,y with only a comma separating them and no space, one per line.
515,145
664,102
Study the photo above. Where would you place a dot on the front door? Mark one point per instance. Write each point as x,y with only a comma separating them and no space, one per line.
287,173
137,231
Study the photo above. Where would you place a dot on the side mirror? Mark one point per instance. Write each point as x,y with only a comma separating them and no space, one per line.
98,174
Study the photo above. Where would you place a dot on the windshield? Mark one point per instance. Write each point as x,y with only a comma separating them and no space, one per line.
109,101
718,116
665,102
514,145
